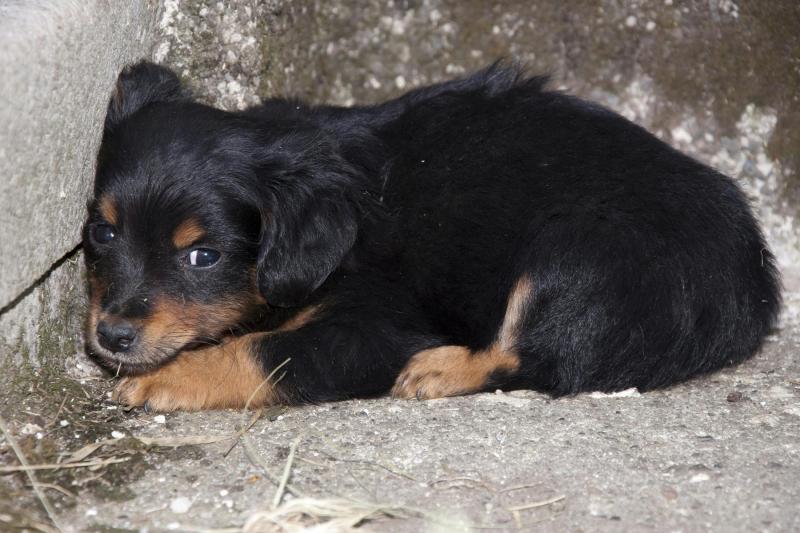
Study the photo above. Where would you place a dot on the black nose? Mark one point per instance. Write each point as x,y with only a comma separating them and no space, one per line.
117,336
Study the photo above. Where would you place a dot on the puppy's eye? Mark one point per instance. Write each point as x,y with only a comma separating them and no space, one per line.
202,257
103,233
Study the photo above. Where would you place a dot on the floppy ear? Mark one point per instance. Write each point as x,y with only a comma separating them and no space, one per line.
307,231
141,84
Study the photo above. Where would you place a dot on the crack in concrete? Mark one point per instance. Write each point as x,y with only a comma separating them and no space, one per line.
40,280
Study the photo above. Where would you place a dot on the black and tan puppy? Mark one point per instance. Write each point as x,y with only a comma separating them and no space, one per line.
477,234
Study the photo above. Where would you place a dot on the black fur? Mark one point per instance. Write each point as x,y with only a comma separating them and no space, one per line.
409,222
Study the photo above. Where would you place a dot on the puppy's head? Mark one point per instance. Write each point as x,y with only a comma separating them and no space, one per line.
202,218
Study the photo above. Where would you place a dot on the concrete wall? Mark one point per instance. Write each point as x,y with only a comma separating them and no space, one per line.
716,78
58,62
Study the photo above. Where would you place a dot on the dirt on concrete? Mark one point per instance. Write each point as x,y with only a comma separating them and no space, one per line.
718,453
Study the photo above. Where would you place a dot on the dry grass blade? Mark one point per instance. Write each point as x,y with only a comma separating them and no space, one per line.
167,442
250,449
266,380
287,471
534,505
258,414
255,458
58,413
334,515
245,427
31,477
321,515
519,487
57,488
191,440
86,451
58,466
461,482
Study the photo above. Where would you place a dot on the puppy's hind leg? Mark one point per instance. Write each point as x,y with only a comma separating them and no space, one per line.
456,370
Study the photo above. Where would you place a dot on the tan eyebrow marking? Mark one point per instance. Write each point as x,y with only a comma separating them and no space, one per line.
108,209
187,233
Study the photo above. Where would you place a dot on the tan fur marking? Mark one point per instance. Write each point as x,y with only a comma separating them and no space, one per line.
300,319
454,370
518,301
96,290
181,319
451,371
170,326
187,233
217,377
108,209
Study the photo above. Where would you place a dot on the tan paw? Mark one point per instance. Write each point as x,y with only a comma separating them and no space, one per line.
225,376
452,371
155,394
435,373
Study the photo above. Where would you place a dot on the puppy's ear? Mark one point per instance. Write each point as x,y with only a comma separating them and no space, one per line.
141,84
308,229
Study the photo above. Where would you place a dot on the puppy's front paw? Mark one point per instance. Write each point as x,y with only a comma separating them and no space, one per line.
130,392
154,393
217,377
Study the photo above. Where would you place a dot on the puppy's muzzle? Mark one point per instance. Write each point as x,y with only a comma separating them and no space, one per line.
116,335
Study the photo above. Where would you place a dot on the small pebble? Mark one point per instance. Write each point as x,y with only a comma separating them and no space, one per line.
117,434
160,419
31,429
630,21
180,505
735,396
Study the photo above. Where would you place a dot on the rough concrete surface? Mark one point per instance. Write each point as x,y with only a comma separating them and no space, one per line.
45,328
58,62
721,453
715,78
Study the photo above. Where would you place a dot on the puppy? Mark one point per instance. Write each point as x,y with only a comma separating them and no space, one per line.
476,234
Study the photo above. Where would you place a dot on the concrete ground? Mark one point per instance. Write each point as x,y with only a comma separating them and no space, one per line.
719,453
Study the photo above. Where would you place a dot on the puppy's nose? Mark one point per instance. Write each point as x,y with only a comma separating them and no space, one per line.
117,336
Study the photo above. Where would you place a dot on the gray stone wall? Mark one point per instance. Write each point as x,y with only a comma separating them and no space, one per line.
58,63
